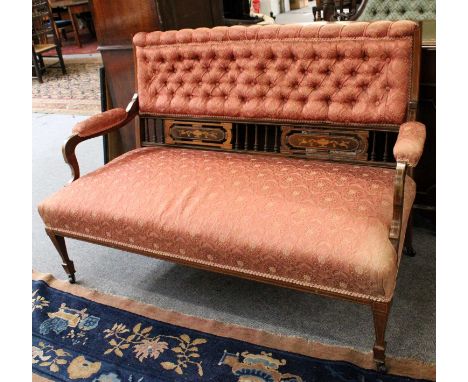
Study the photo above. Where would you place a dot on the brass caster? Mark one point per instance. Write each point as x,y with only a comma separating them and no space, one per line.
381,367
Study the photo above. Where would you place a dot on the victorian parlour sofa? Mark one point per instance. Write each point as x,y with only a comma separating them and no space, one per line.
274,153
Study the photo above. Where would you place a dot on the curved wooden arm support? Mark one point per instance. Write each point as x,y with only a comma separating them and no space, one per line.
68,148
398,201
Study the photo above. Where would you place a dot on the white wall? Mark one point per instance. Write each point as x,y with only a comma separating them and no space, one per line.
267,6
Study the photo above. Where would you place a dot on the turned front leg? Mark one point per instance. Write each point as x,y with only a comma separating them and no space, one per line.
380,311
67,264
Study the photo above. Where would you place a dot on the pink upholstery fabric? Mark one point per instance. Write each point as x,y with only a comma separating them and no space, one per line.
410,143
334,73
305,222
100,122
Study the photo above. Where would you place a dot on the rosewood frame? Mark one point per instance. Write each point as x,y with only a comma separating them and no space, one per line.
380,309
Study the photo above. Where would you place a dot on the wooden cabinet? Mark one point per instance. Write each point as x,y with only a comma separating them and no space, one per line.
116,22
425,172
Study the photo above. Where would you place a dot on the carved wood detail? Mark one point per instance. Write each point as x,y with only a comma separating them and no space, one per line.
198,133
324,144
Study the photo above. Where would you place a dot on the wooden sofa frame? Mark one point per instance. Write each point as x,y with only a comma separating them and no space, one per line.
243,137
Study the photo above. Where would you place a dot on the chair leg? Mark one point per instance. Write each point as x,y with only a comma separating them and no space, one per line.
41,62
59,243
37,66
408,249
380,311
60,57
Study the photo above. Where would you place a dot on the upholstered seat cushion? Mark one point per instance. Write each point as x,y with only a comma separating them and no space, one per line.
308,223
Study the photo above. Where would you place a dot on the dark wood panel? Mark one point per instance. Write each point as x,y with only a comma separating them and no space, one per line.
118,65
117,21
425,172
179,14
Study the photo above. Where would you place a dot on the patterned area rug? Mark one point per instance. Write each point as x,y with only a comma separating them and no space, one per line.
77,92
79,334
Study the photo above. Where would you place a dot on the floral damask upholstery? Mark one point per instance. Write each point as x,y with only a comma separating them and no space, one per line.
417,10
308,223
410,143
100,122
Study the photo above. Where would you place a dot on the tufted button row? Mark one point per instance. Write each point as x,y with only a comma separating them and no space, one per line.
282,99
187,64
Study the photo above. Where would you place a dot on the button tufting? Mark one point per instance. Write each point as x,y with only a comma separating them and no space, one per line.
336,61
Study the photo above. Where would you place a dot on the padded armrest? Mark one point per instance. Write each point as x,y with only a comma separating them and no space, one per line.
410,143
100,123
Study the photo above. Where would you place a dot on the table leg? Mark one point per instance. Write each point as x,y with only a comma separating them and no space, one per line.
75,26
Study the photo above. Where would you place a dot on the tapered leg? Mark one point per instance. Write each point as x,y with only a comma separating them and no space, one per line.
59,243
408,249
380,311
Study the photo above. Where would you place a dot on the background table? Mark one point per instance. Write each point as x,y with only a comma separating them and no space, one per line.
73,7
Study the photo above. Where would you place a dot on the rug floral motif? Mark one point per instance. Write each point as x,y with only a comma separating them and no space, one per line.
77,92
76,339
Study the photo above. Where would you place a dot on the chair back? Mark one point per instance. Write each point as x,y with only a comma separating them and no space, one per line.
42,22
417,10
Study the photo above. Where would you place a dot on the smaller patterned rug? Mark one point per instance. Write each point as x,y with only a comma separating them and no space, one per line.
84,335
77,92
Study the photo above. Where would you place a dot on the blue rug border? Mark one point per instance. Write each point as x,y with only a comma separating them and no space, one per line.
266,348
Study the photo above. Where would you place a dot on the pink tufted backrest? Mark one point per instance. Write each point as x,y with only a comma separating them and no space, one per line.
354,73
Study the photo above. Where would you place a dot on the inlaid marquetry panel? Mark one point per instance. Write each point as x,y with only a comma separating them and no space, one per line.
198,133
314,142
331,144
